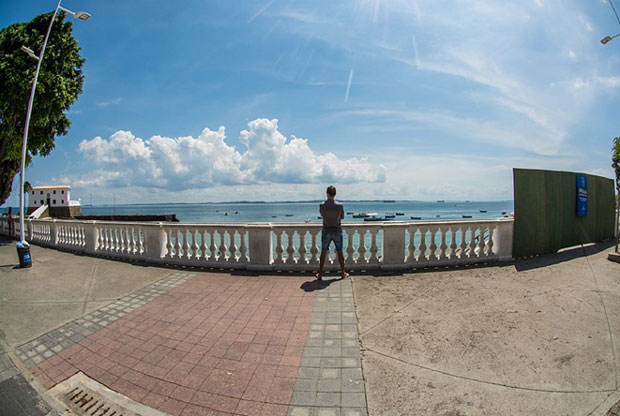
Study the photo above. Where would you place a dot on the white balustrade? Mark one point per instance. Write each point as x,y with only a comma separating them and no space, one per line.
267,246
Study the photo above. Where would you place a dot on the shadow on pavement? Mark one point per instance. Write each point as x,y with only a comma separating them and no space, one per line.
565,255
315,284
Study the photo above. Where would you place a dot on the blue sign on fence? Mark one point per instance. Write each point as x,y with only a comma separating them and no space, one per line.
582,196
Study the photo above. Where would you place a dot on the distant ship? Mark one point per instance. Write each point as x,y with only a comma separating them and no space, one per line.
440,200
388,200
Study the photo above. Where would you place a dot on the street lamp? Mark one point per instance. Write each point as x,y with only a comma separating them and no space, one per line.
78,15
608,38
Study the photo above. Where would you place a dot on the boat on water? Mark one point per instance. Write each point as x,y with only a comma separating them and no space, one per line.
387,201
467,216
415,218
288,215
483,210
400,213
365,214
373,216
440,200
307,220
390,215
349,213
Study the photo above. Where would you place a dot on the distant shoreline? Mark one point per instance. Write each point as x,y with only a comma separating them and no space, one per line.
315,201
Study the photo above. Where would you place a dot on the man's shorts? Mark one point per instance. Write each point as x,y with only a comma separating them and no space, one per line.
327,237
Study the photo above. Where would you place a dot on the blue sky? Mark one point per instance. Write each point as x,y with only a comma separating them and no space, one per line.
197,101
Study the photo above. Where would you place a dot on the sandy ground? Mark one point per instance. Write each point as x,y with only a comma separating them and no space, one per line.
538,337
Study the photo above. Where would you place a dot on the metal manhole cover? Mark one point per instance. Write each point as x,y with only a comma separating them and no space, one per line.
87,397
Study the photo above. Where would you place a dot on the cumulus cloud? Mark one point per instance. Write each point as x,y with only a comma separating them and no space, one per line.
207,160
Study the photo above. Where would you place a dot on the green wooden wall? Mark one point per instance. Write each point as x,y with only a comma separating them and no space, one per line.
546,211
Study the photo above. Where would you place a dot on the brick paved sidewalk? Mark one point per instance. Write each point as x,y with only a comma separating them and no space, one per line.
217,344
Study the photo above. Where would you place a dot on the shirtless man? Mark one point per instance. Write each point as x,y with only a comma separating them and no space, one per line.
332,212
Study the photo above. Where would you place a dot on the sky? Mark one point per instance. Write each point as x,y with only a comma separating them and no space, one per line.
213,100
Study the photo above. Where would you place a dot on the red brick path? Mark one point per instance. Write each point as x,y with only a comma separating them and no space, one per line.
216,345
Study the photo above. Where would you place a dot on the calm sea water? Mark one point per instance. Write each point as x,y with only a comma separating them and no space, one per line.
301,211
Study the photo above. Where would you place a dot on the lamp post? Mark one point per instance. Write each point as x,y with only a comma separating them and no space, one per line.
608,38
77,15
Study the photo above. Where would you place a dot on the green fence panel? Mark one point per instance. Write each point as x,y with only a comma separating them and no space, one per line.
546,211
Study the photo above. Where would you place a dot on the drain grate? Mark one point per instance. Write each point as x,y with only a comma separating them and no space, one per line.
86,397
82,402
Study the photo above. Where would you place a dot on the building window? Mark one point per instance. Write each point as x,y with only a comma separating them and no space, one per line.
54,192
41,192
54,202
62,192
62,202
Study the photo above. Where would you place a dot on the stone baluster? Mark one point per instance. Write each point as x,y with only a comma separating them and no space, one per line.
482,242
127,240
463,244
361,259
302,246
243,258
233,246
314,250
491,237
102,238
279,248
433,247
411,246
472,243
223,248
350,248
373,246
178,244
453,230
169,244
187,248
195,246
290,248
203,245
140,245
422,257
120,239
112,237
443,246
215,256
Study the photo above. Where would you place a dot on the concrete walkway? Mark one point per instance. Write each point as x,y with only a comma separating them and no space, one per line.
540,337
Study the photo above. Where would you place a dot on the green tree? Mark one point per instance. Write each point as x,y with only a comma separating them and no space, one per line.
60,83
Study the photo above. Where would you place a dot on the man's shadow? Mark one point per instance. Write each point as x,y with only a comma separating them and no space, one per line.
315,284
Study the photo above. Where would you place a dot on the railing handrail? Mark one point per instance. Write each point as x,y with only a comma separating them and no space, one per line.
281,246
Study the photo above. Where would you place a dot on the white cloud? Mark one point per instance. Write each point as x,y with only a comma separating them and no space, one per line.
107,103
207,160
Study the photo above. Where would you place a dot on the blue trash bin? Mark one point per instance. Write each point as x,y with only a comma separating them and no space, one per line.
23,253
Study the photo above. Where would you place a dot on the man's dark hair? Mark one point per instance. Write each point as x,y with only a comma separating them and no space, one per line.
331,190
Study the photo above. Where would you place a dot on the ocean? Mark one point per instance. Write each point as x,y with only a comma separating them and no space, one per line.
243,212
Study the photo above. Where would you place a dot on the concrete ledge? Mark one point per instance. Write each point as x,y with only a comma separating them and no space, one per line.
613,256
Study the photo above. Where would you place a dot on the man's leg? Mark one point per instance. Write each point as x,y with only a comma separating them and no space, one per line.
341,261
319,275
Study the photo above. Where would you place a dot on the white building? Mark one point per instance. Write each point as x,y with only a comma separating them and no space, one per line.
56,197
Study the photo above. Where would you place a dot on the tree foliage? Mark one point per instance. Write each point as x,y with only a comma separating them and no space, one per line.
60,83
